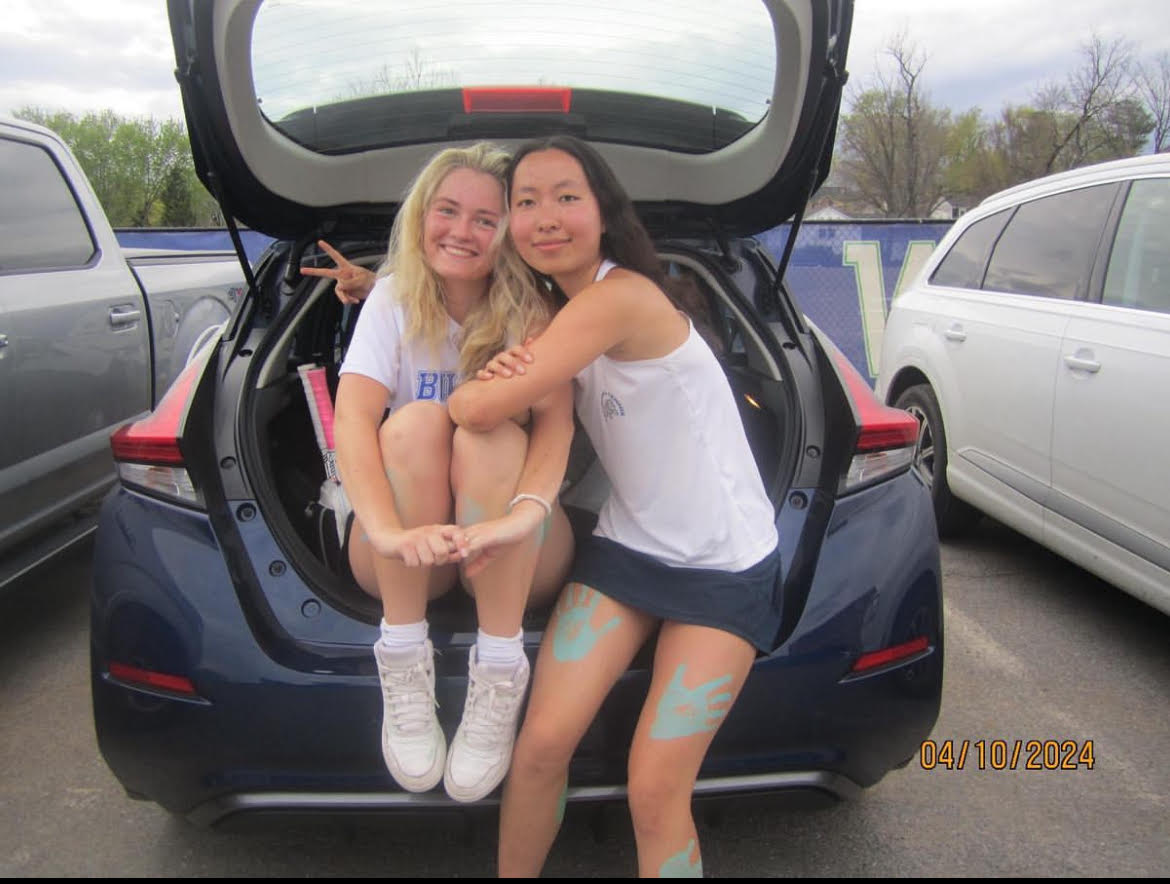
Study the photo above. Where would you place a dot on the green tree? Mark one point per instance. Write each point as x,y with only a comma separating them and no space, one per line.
131,163
178,210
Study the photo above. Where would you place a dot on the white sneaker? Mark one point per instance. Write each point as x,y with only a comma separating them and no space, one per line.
412,741
482,749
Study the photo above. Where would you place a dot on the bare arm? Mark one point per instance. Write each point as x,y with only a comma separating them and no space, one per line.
592,323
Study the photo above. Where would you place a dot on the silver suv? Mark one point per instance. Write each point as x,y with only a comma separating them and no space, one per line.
1034,348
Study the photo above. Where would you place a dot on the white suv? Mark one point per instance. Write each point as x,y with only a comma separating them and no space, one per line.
1034,348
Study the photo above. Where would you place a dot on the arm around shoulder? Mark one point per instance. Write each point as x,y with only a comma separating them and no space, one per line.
590,324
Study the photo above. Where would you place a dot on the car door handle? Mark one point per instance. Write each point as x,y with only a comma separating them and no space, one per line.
120,316
1080,363
955,333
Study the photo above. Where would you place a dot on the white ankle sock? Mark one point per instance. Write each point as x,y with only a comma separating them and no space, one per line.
402,636
499,650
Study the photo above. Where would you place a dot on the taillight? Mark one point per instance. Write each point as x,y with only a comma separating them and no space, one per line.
161,681
887,437
890,655
147,451
516,99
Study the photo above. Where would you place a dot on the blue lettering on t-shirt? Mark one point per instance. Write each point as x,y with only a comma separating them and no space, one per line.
434,385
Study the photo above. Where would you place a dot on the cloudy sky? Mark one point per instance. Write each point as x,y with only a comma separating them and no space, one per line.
81,55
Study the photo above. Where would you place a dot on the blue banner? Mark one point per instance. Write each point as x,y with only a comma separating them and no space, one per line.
843,275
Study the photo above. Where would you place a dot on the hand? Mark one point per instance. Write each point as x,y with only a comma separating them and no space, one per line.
353,283
484,541
507,362
423,547
575,635
684,711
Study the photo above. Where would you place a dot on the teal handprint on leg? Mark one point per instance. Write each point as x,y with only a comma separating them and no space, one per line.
684,711
575,635
680,865
561,802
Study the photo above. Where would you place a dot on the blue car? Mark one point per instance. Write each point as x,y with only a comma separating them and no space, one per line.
231,663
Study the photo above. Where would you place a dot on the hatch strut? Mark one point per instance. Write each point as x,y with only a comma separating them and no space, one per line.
200,146
832,105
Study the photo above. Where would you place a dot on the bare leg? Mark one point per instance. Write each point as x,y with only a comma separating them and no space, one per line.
588,644
485,468
416,450
698,673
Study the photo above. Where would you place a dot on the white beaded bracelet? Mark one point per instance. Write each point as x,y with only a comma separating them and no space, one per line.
533,497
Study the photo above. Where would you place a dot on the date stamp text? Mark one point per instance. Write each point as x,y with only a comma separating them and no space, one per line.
1006,754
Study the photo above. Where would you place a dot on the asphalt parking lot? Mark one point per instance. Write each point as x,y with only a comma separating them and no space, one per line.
1037,650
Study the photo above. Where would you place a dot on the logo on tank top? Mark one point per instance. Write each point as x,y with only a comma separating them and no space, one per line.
611,407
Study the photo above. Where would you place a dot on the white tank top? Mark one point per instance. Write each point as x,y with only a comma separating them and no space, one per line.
685,488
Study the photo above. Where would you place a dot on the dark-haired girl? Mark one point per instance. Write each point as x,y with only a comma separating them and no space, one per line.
685,544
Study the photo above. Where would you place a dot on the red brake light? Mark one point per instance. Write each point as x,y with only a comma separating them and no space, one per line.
516,99
882,427
155,438
176,684
886,437
891,655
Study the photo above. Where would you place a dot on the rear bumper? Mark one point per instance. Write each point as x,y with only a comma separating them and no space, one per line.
223,808
261,735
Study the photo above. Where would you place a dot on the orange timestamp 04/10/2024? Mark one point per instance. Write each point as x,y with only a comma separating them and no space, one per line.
1006,754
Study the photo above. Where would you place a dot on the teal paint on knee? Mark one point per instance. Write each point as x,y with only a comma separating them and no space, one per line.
683,711
468,512
542,532
680,865
575,636
561,802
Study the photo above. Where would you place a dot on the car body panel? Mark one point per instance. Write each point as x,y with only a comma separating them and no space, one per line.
259,727
75,363
1103,503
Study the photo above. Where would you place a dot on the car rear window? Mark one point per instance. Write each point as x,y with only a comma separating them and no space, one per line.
689,75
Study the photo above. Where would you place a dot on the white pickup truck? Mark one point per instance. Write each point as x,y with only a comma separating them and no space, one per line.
91,336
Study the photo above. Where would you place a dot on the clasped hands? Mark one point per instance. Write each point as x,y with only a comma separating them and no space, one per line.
475,546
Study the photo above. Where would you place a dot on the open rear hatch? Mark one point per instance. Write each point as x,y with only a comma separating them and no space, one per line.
312,117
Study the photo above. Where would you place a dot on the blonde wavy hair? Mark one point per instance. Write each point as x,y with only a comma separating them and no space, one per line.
514,307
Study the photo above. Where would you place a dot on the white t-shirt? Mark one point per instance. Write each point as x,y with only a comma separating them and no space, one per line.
411,371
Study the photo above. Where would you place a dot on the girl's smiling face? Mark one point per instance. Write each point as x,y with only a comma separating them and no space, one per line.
555,219
461,223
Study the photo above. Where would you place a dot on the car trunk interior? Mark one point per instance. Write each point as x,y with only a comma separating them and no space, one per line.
289,473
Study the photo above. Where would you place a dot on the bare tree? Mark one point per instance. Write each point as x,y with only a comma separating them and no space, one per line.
1153,84
893,141
1082,106
413,75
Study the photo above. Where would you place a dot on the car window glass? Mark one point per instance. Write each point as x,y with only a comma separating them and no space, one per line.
684,75
41,224
1049,244
964,263
1139,265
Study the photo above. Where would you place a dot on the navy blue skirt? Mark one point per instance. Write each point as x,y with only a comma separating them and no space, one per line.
745,603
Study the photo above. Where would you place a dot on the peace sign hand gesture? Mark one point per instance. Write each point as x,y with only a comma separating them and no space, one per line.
353,282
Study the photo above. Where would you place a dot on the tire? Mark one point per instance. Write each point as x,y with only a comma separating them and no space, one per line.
952,515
